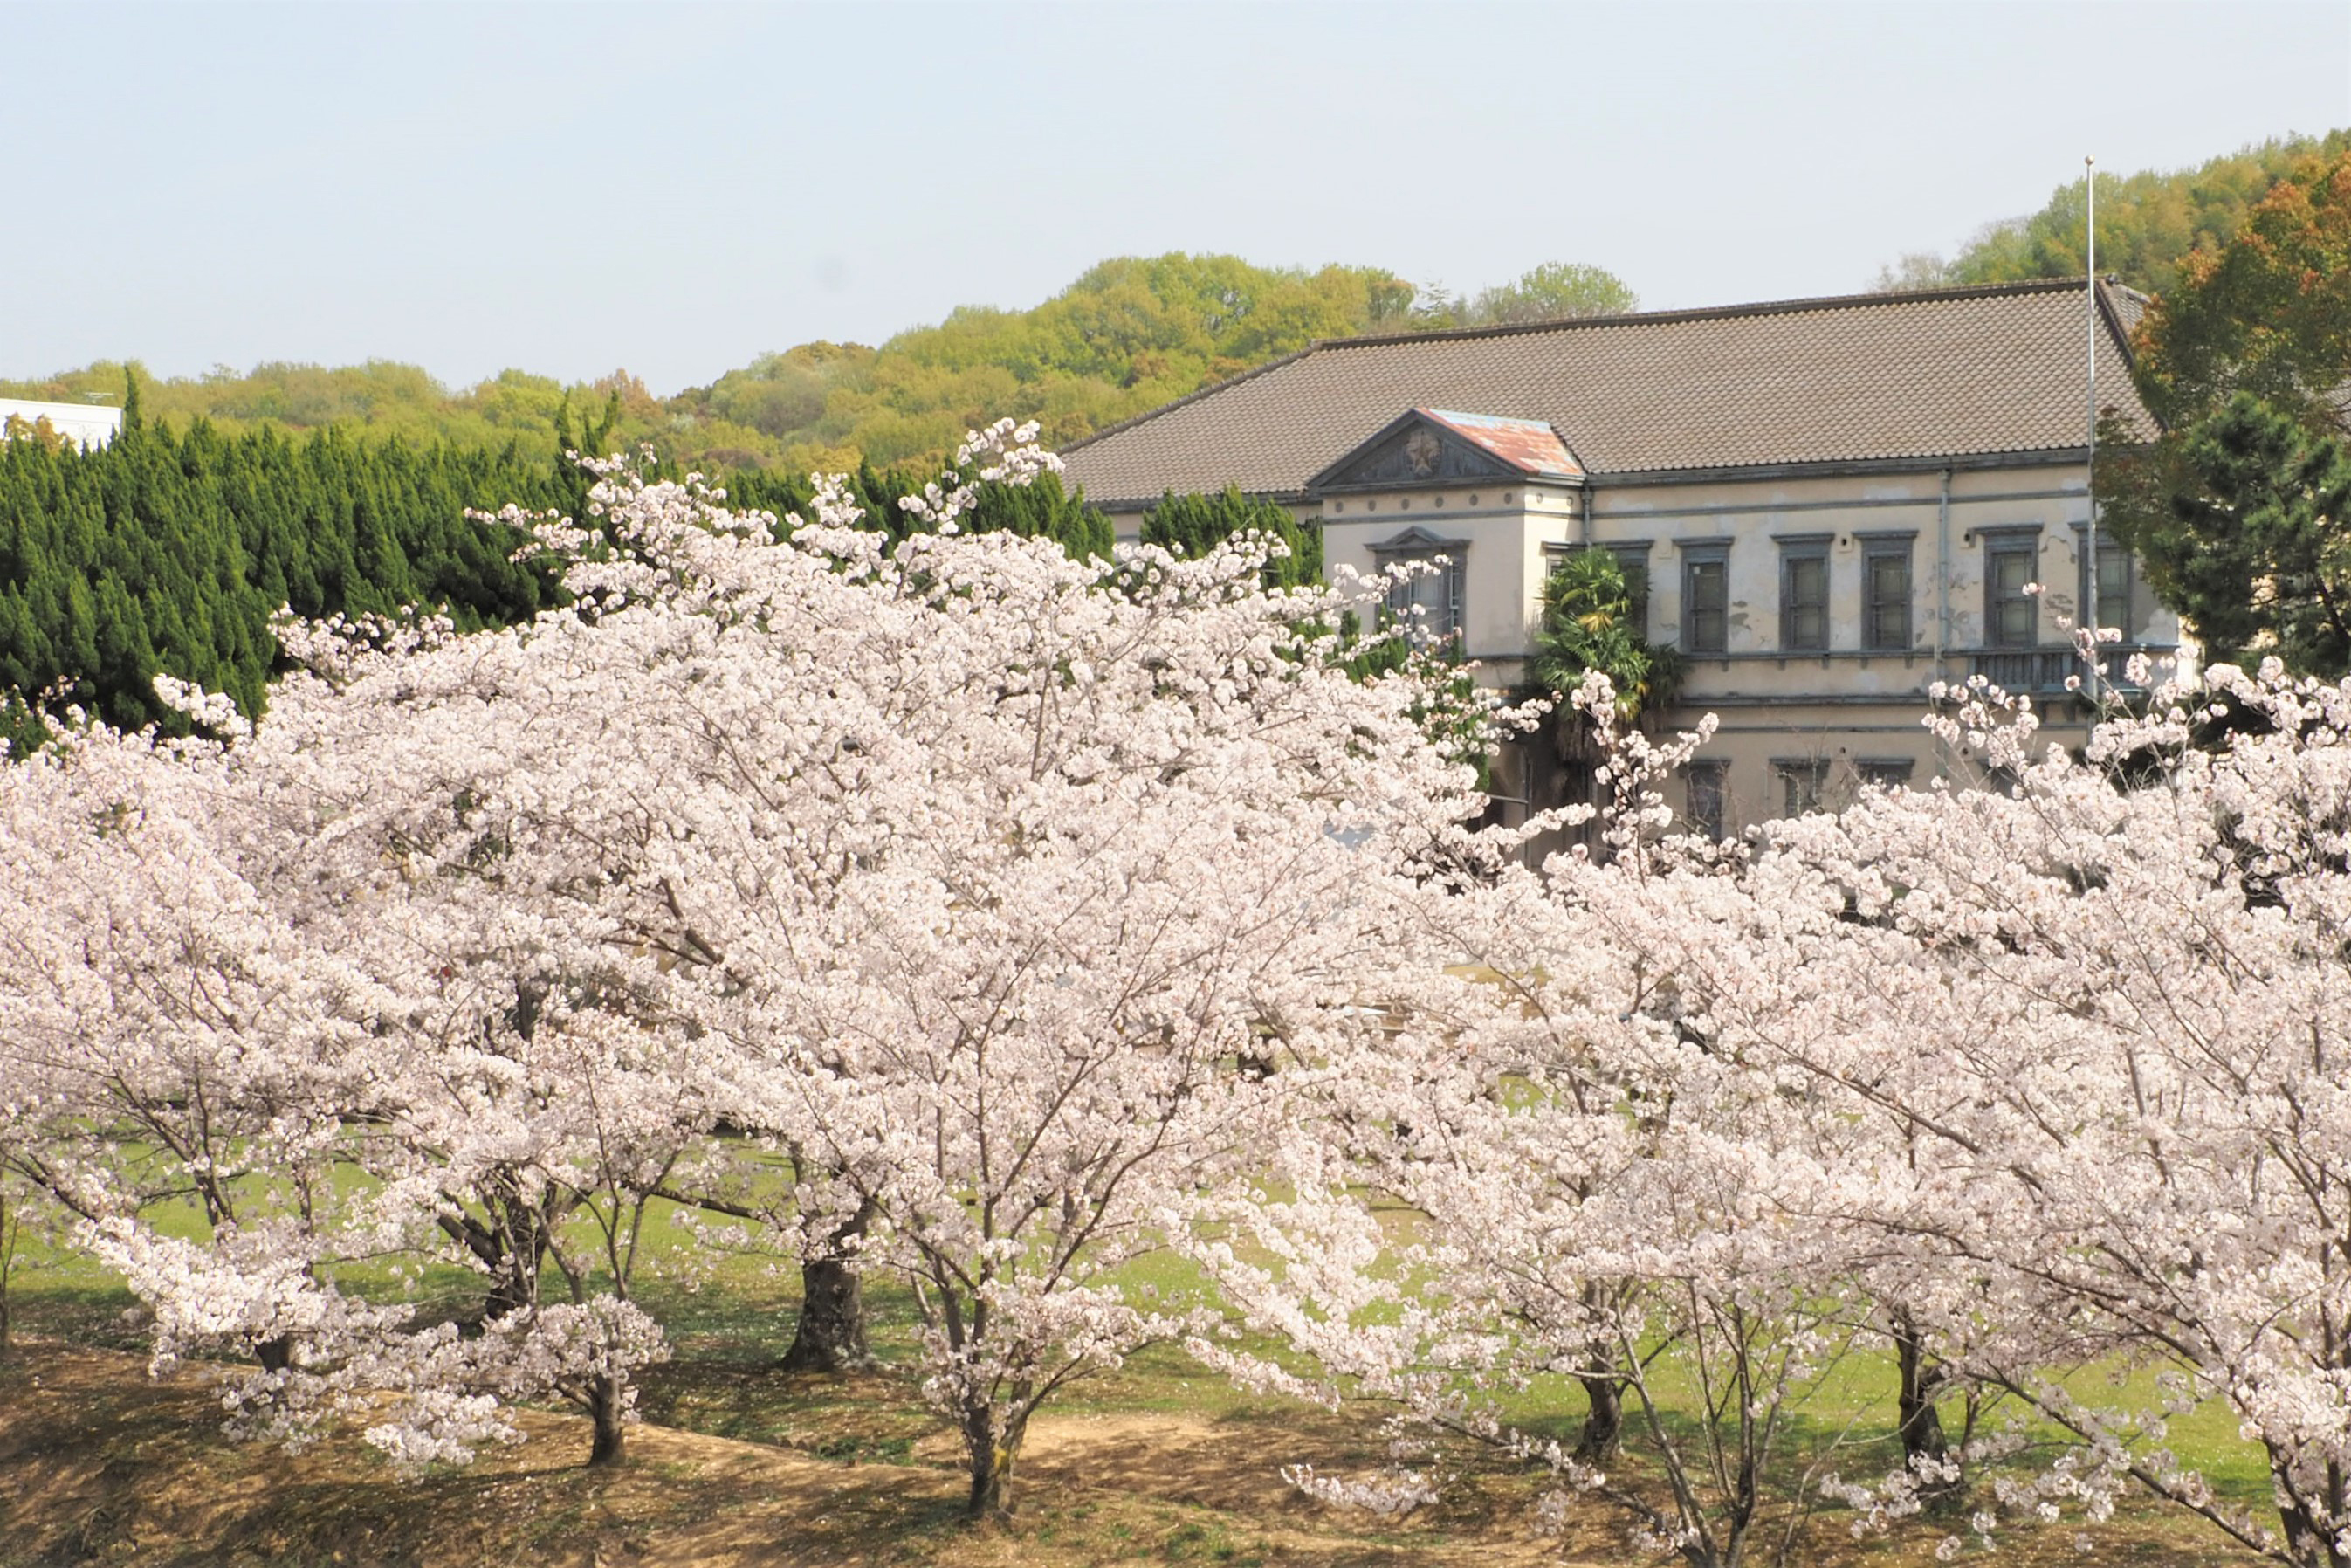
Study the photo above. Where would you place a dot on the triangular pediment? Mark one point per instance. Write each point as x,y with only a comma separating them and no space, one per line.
1413,450
1428,447
1416,540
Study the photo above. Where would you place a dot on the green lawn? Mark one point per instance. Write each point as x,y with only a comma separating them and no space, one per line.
729,1323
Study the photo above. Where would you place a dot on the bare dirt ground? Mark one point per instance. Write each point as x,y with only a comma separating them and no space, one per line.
101,1465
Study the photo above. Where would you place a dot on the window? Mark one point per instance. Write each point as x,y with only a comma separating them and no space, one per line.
1703,784
1886,772
2011,616
1804,593
1885,595
1632,564
1428,600
1706,597
1632,560
1802,782
2113,601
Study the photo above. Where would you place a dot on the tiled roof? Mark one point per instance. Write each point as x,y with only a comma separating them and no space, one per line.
1948,373
2128,305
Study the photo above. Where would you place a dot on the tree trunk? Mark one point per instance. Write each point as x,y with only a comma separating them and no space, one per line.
1604,1392
513,1287
831,1334
511,1247
1920,1425
2307,1541
276,1354
11,1229
1604,1423
605,1410
991,1464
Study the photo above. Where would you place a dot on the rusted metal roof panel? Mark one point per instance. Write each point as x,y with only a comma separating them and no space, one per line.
1527,444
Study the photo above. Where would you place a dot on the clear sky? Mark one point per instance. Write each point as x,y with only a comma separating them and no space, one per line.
675,188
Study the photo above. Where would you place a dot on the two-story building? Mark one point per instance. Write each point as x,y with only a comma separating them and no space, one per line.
1825,505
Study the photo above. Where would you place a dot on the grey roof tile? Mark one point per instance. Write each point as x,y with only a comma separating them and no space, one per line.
1956,372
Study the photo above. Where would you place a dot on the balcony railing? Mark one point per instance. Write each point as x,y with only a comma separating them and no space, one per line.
2043,671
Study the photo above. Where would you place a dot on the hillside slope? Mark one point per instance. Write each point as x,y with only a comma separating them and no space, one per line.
2149,222
1130,334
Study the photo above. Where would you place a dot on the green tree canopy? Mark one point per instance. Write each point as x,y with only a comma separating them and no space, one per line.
2269,313
2238,511
1195,525
1555,291
2150,224
1127,335
170,550
2254,545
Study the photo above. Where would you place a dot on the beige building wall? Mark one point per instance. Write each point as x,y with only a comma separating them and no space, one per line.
1850,710
1836,715
1503,532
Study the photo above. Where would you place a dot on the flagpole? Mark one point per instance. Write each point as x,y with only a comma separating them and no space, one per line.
2090,462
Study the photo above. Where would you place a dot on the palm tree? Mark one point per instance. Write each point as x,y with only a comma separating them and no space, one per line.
1588,623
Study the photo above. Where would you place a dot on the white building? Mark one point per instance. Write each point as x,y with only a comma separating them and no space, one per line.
83,424
1824,505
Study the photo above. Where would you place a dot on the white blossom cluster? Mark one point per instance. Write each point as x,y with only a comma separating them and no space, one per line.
2021,1084
913,907
961,912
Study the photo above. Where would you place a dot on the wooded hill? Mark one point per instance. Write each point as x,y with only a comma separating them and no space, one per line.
2149,222
1128,335
1132,333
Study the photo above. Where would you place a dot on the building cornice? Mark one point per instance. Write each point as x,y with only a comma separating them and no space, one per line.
1842,468
1830,468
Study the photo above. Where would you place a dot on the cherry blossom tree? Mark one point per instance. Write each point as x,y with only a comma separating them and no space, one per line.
1002,876
958,913
2111,1008
1604,1189
1006,895
169,1039
2034,1081
204,1015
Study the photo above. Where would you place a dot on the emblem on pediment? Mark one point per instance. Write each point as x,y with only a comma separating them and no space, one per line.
1411,451
1423,451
